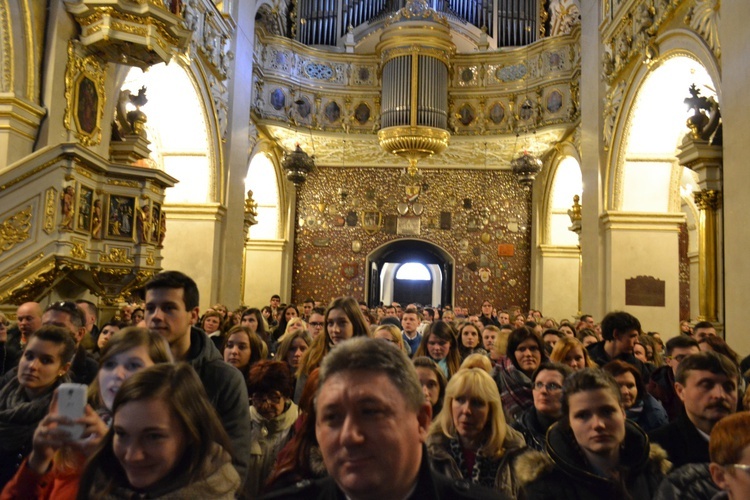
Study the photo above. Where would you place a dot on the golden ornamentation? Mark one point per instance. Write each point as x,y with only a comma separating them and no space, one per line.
78,251
78,69
28,174
15,229
123,183
21,267
150,258
703,17
116,255
34,287
413,143
50,202
83,171
708,199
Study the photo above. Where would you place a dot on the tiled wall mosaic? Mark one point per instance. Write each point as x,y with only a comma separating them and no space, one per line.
480,217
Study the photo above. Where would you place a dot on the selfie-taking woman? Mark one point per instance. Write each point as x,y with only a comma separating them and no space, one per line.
593,452
166,440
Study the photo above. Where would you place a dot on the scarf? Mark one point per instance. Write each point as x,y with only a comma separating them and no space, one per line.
484,470
515,388
19,416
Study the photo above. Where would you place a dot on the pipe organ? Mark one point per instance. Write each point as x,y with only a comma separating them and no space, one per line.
510,23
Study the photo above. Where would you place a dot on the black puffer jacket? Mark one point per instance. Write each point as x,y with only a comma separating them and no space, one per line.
689,482
534,427
562,473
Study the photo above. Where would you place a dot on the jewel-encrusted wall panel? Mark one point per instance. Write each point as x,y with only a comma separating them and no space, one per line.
479,217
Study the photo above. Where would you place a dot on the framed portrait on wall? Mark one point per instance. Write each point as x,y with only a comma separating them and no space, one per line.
120,217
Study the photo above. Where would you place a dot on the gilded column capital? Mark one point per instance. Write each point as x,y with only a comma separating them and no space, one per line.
708,199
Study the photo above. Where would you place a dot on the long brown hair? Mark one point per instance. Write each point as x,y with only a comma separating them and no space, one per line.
443,331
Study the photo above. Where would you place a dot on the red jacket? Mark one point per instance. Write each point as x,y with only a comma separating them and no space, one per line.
29,484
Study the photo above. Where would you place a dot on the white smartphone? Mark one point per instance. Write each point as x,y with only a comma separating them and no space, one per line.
71,402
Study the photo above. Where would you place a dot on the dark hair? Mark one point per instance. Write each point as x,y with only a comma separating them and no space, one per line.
703,324
59,336
588,379
618,367
93,310
318,310
552,331
620,322
71,309
270,376
179,387
426,362
718,344
584,317
560,368
709,361
680,342
445,332
281,328
261,330
517,337
177,280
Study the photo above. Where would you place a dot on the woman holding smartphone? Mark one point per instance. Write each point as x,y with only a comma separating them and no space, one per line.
53,468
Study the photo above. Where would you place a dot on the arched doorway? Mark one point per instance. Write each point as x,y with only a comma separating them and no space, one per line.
384,262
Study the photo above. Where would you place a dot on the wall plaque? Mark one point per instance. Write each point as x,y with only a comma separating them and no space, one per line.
645,291
506,250
408,226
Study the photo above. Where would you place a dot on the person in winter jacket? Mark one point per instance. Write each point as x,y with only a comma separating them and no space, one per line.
640,406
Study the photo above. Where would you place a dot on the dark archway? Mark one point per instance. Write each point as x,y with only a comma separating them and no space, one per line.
409,250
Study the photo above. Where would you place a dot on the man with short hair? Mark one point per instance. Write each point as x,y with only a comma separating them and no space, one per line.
588,320
399,311
661,385
489,335
91,313
316,322
68,315
390,311
620,332
28,320
474,320
703,329
410,322
307,307
503,318
371,426
706,383
171,310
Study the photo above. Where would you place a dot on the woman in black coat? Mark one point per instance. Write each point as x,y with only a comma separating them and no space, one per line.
593,452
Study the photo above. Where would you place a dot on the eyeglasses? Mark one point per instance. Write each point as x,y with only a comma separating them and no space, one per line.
551,387
259,399
64,305
743,467
315,324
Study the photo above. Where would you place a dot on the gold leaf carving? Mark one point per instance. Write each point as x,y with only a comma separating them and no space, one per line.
50,198
78,251
119,182
15,229
116,255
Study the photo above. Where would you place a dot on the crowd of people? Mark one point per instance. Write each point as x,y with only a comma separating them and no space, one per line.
348,401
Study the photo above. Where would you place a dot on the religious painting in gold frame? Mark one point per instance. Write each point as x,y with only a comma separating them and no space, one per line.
120,218
84,95
84,209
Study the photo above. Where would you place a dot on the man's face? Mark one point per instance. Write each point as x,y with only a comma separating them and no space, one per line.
474,320
504,318
315,325
701,333
590,322
275,301
708,397
29,318
167,316
488,339
390,312
62,319
486,309
625,342
399,311
307,308
678,354
410,322
370,440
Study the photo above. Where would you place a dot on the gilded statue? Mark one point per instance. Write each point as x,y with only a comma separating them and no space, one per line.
96,220
67,207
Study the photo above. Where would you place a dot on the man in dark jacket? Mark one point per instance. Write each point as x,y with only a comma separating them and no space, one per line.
171,310
661,385
371,424
620,332
707,384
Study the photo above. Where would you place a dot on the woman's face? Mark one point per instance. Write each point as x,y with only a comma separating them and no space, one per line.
339,326
528,355
519,321
437,348
575,358
137,316
237,350
732,479
567,330
40,366
448,316
470,418
105,335
296,350
250,321
148,441
597,421
430,385
118,368
470,336
211,324
588,340
290,313
628,389
270,405
548,393
297,326
383,334
640,352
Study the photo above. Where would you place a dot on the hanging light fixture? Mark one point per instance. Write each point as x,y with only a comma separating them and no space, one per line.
526,166
297,164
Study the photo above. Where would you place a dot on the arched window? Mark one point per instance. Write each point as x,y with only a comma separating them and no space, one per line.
413,271
566,184
261,180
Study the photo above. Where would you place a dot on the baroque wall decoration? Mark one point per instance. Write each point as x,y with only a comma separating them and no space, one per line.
84,95
321,250
15,229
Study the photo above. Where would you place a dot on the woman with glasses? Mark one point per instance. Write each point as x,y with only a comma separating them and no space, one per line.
272,416
513,372
593,451
547,382
470,439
